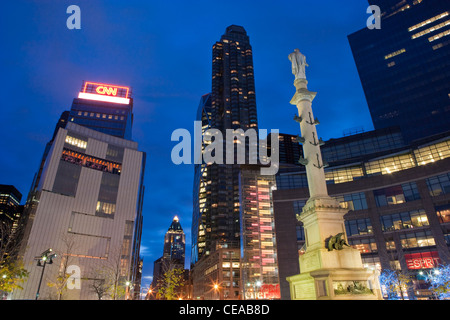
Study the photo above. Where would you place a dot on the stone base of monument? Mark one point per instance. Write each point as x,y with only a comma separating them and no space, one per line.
334,275
330,269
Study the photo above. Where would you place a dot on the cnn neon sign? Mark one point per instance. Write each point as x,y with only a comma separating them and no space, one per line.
105,92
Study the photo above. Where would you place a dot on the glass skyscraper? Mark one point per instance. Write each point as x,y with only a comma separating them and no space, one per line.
404,67
216,217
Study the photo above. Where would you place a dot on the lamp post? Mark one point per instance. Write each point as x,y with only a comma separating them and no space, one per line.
45,256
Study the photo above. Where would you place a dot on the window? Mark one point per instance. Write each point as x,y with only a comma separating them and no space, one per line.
443,213
298,206
354,201
80,143
343,175
364,245
417,239
432,153
66,180
358,227
396,194
390,165
87,161
439,185
404,220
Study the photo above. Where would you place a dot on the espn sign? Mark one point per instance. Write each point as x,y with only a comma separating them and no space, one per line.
423,260
105,92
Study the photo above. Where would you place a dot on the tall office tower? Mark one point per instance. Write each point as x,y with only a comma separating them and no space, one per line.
404,67
86,207
233,106
174,243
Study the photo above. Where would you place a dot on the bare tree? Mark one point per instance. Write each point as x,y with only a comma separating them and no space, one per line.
66,254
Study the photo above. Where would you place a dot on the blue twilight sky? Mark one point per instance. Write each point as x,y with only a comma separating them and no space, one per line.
163,50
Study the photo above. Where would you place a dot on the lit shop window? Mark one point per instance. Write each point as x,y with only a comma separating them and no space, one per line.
431,20
432,29
82,144
404,220
390,165
432,153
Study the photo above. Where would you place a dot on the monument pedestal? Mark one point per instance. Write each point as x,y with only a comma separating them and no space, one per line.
330,275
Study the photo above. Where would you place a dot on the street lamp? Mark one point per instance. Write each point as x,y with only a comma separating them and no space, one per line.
45,256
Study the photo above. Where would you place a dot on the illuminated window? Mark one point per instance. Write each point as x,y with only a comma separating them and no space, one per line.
82,144
440,35
396,194
354,201
432,29
443,212
431,20
87,161
364,245
390,165
404,220
393,54
433,153
417,239
336,176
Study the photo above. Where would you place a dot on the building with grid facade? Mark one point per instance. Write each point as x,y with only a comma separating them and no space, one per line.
398,198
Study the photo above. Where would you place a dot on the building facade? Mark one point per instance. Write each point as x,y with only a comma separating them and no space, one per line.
89,151
404,67
230,105
398,200
259,263
87,214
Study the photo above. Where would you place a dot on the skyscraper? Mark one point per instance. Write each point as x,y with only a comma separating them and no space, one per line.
174,243
232,106
404,67
173,256
86,203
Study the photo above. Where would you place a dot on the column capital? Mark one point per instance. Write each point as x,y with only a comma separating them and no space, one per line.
302,94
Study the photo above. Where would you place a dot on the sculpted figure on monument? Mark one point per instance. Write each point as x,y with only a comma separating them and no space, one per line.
298,64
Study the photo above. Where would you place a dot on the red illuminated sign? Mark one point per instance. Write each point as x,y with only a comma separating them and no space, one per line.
106,89
270,291
105,92
423,260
